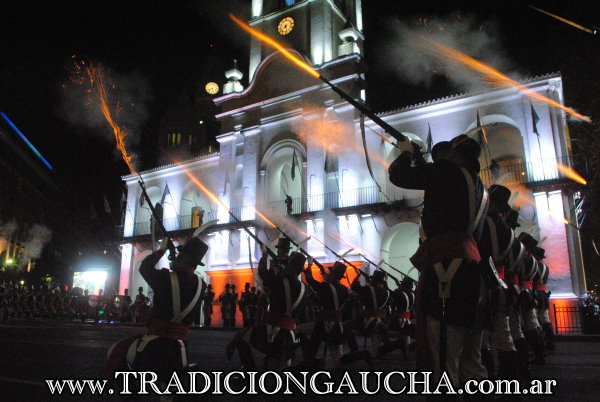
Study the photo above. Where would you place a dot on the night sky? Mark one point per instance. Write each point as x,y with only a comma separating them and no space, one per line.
179,45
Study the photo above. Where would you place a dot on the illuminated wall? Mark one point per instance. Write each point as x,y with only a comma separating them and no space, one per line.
550,217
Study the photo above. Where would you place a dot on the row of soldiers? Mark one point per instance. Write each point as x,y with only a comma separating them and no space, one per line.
480,285
60,302
230,301
475,277
310,313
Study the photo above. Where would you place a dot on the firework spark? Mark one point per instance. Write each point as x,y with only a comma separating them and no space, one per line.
94,76
571,174
566,21
274,44
491,75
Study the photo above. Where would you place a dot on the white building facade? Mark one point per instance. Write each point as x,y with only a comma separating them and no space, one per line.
289,135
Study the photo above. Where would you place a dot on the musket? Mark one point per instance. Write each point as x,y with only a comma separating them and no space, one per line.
170,245
385,262
366,111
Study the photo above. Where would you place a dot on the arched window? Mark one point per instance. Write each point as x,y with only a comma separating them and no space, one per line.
284,177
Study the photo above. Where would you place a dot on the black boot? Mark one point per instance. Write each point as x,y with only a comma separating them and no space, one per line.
246,356
508,365
549,332
539,352
487,359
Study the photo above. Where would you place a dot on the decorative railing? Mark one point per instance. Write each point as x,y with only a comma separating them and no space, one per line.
535,171
523,173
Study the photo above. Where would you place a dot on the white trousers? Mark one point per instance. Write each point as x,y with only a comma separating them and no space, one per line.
501,335
463,352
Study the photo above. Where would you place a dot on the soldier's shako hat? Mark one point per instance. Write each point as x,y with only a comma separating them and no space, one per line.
196,249
247,285
539,253
379,276
284,243
512,219
336,272
528,241
500,195
295,264
227,286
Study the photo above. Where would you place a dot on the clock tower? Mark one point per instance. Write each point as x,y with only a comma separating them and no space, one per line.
321,30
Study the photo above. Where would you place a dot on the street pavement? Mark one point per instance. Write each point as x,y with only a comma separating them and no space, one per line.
31,352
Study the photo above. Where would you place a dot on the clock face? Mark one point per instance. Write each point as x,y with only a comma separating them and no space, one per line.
211,88
285,26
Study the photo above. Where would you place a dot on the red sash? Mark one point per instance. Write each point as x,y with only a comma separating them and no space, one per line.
403,314
281,321
168,329
541,286
527,284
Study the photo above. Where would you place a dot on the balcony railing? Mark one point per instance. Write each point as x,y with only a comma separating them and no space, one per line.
524,173
535,171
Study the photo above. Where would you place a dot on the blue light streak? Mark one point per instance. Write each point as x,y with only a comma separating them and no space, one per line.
29,144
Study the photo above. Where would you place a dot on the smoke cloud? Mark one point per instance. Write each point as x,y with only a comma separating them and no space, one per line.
408,52
37,238
8,228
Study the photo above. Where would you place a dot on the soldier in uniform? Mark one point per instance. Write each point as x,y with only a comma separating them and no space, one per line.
450,283
333,297
543,297
496,242
176,303
226,300
514,272
139,309
373,297
275,338
207,305
402,302
233,306
245,305
529,302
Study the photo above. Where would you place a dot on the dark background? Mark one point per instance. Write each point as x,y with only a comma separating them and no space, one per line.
179,45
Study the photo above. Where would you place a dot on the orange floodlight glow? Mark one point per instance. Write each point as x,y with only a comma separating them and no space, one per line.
571,174
495,77
276,45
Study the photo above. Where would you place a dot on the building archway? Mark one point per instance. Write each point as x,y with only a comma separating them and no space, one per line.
504,145
284,176
195,208
143,214
400,243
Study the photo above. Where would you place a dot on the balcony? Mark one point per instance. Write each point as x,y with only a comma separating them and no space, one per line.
537,172
528,173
